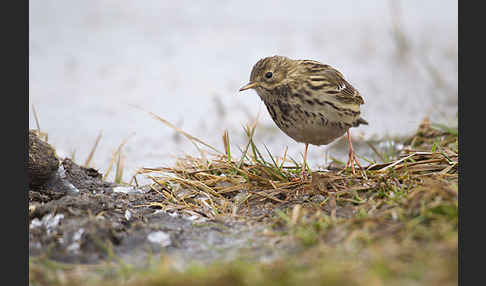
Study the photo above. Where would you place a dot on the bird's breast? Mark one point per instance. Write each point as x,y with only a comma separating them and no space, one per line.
304,124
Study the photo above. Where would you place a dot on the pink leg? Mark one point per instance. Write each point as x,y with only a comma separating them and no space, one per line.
351,159
304,166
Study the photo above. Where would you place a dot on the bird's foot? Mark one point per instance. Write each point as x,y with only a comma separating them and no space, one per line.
303,175
351,161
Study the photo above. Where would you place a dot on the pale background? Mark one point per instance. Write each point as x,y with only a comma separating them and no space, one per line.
185,61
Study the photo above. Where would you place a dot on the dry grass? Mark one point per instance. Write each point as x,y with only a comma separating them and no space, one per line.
241,188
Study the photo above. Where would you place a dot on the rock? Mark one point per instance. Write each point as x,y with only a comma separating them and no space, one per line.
43,162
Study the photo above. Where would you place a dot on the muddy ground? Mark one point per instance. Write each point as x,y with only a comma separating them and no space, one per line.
78,218
216,215
386,223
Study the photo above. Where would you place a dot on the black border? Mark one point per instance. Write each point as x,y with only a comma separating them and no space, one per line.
15,116
470,116
463,273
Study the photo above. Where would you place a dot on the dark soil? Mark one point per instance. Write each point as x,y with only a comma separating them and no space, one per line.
42,160
94,220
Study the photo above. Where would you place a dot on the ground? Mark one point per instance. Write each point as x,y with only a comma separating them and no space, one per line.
253,221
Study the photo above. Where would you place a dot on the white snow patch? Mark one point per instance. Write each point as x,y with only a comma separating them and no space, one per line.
128,215
127,190
159,237
75,246
49,221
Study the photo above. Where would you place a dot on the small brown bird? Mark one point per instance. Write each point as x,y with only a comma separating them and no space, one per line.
311,102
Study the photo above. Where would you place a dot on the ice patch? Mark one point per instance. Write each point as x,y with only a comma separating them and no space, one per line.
49,221
127,190
35,223
74,247
159,237
77,235
71,188
174,214
61,172
128,215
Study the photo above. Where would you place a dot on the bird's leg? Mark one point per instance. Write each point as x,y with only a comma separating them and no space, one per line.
304,166
351,159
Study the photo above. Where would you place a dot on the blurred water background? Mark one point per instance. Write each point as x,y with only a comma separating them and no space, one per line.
90,61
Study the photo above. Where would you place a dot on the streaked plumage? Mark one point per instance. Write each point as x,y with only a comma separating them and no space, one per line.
311,102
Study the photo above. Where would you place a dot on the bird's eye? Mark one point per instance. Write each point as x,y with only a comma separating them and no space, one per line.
268,74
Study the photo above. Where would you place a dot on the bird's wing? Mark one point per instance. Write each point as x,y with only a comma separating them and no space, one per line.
331,82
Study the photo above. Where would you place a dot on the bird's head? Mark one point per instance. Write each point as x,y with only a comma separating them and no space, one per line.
269,73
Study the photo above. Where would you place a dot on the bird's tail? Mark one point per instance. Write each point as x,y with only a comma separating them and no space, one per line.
360,121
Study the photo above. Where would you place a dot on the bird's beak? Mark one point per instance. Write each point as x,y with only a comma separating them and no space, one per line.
249,85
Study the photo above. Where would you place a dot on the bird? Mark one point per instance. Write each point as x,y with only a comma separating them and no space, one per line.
309,101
